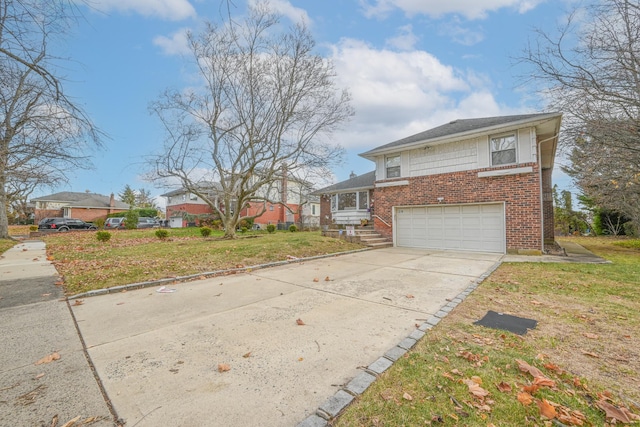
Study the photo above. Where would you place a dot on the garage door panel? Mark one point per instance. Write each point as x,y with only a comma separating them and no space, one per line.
454,227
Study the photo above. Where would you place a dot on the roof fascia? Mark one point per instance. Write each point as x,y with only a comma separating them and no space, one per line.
504,127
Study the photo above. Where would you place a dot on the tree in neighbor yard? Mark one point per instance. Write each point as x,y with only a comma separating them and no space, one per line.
43,133
265,107
590,70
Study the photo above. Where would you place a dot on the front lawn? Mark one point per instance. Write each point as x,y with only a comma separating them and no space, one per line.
132,256
586,348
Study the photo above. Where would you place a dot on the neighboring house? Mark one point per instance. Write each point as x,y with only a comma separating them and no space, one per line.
85,206
290,204
474,184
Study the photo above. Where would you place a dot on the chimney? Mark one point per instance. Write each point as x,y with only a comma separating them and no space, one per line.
352,175
112,203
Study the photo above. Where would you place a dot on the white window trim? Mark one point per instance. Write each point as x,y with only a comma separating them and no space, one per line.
334,199
502,135
386,168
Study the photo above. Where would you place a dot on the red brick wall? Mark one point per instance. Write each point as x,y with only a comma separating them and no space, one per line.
325,210
547,205
77,213
278,214
521,194
191,208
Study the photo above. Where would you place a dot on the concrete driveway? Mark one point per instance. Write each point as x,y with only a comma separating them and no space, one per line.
158,354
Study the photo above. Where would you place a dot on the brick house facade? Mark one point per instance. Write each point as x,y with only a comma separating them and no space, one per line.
476,184
85,206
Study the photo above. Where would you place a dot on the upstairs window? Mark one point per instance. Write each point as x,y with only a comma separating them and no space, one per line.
503,150
392,163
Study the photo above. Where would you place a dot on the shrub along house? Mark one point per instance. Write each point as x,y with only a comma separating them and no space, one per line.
473,184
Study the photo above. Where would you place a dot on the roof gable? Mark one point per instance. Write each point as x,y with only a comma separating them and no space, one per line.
461,128
360,182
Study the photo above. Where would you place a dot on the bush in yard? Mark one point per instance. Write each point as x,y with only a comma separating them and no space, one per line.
103,236
243,230
33,228
99,222
131,220
293,228
205,231
271,228
162,234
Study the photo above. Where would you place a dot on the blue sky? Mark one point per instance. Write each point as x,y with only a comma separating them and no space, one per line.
409,64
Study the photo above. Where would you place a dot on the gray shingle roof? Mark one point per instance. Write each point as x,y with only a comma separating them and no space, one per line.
460,126
363,181
81,200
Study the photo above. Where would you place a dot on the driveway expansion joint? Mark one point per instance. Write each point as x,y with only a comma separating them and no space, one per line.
335,405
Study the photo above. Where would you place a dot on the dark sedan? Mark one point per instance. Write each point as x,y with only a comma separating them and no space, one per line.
65,224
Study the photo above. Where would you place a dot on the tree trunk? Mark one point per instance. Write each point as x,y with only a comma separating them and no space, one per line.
4,221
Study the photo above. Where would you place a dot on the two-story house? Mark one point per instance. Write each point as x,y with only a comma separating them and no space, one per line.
472,184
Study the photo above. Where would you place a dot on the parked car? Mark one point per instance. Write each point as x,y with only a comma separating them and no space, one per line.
146,222
112,223
65,224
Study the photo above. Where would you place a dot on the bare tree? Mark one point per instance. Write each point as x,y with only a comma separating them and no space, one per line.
265,107
43,133
590,70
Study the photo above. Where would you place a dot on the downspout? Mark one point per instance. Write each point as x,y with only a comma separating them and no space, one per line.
539,144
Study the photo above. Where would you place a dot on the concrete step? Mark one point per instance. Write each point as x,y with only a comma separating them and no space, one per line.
386,244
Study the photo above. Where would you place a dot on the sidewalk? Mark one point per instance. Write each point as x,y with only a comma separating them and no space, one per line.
574,254
35,322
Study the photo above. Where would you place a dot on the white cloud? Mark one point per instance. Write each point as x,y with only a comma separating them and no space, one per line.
175,44
461,34
397,94
405,40
285,8
174,10
471,9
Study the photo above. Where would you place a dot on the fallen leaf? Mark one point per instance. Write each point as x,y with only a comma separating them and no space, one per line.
525,398
315,279
525,367
503,387
46,295
475,389
78,302
590,336
48,359
410,296
534,302
618,414
300,322
71,422
530,388
223,367
407,396
300,359
246,355
590,354
326,279
476,380
543,382
40,375
546,409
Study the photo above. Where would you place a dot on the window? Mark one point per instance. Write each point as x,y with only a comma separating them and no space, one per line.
270,208
313,209
346,201
392,164
350,201
503,150
362,200
193,196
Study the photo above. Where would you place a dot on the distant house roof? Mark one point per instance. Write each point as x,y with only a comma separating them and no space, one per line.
213,187
81,200
459,128
361,182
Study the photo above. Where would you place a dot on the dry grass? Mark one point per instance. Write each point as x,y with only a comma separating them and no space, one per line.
587,342
132,256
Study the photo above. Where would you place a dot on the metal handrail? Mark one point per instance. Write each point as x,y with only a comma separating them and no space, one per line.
385,222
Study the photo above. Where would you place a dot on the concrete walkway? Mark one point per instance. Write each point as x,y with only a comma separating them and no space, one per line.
574,254
35,322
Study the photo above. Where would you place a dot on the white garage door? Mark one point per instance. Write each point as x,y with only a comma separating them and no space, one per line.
461,227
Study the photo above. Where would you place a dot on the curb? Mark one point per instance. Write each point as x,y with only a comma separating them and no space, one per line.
336,404
206,275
